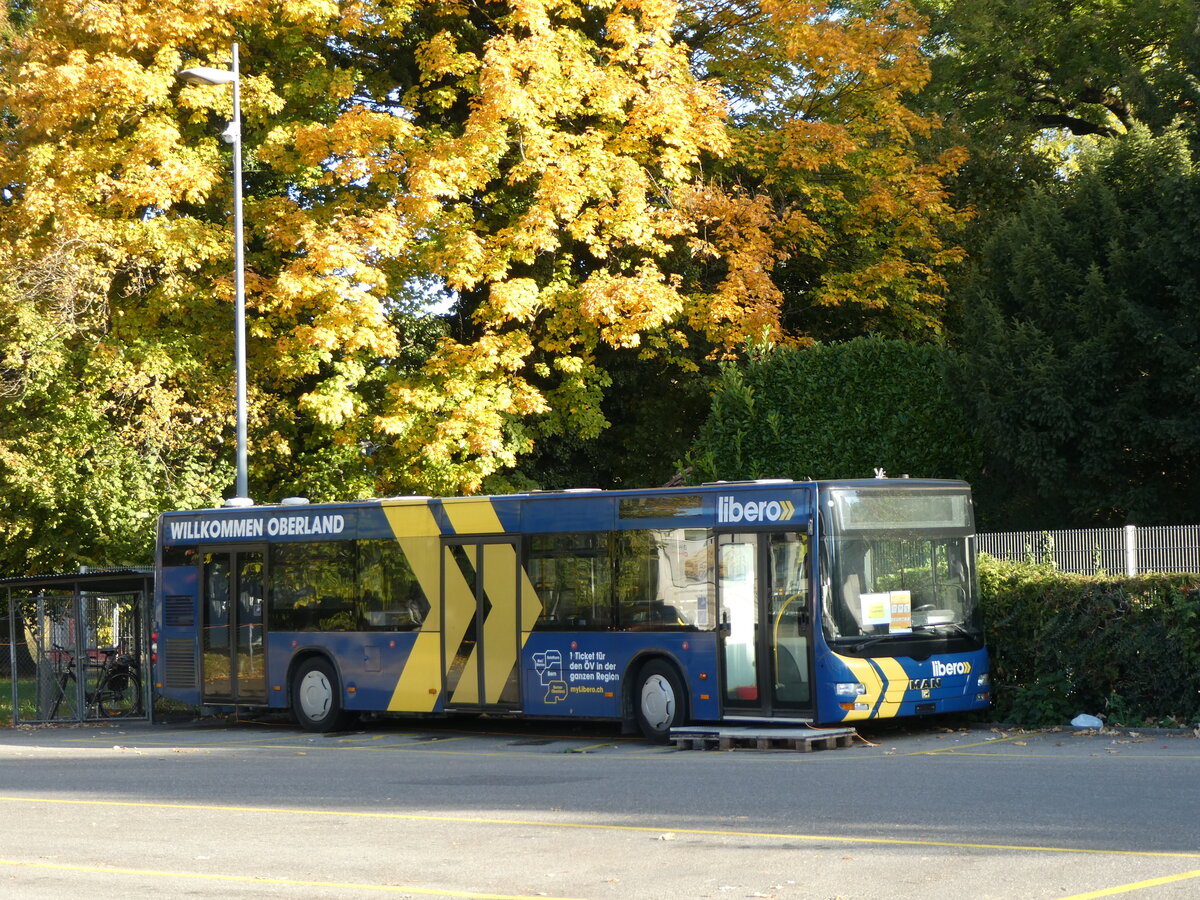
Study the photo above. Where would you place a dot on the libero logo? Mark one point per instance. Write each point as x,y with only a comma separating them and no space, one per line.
941,669
731,511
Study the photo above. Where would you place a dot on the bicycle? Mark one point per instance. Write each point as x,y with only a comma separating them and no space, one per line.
118,690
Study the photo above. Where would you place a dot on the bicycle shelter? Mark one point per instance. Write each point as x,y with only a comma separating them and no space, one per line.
53,627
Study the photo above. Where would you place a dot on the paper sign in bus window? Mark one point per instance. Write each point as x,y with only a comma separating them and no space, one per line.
901,612
876,608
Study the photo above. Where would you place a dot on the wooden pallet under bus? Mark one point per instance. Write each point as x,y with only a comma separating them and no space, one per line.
803,740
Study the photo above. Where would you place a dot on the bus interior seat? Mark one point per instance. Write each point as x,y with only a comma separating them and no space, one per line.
851,603
662,614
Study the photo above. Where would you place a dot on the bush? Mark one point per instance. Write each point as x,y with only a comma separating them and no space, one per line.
1125,649
836,411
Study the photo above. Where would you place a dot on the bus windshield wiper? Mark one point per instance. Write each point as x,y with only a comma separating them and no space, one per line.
922,632
862,645
955,628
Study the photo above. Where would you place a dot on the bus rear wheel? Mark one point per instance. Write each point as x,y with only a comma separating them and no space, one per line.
660,701
317,697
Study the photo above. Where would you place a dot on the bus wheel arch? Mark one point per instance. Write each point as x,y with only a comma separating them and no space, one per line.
316,694
657,699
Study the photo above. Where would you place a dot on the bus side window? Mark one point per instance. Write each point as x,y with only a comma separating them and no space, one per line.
636,583
391,597
663,580
572,575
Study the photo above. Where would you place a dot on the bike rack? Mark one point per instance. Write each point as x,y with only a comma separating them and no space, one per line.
51,618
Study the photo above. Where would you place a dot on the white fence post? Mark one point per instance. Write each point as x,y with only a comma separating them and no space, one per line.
1131,562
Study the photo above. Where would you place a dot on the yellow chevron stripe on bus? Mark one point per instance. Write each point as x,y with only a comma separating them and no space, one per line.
886,692
459,616
472,516
420,683
500,627
897,684
864,673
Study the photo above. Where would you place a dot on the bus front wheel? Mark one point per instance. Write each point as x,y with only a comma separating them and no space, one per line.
316,697
660,701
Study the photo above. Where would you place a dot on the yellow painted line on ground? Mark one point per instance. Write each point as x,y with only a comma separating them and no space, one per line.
375,744
266,742
282,882
590,747
937,750
592,826
372,745
358,739
415,742
106,741
425,747
1136,886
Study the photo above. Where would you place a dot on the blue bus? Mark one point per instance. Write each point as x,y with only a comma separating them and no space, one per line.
817,601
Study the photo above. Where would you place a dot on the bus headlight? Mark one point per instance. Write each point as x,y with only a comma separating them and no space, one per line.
984,681
848,689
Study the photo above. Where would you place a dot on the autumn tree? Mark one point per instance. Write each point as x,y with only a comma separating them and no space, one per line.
104,152
827,179
83,463
571,138
565,176
524,159
826,212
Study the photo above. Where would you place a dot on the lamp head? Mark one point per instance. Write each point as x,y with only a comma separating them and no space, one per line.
206,75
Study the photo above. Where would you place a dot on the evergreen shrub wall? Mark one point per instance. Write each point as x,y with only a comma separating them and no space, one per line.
1124,649
836,411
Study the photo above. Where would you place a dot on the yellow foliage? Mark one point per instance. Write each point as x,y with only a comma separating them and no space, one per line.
559,166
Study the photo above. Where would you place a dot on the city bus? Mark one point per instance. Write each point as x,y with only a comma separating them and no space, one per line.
816,602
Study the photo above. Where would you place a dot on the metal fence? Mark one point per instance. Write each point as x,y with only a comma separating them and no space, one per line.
1130,550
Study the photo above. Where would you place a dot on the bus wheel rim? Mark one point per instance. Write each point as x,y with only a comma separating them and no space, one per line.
316,695
658,701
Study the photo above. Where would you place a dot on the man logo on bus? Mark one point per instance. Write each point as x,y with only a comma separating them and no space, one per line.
730,511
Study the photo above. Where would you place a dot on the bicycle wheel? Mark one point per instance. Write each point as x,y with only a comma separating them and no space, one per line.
119,695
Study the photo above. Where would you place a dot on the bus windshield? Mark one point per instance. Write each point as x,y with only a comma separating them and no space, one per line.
901,567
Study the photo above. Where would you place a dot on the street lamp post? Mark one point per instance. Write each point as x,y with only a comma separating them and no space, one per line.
233,135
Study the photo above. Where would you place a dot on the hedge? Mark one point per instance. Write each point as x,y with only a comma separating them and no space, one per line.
1125,649
836,411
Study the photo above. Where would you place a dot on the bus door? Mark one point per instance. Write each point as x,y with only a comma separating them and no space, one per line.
480,623
764,598
233,668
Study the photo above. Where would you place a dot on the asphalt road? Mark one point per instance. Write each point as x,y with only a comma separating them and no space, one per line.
512,809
